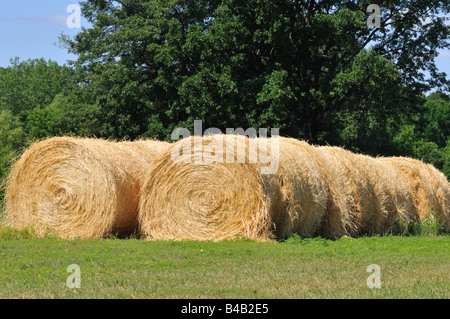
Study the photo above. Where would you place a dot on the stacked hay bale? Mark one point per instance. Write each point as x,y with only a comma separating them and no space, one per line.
217,187
428,188
346,191
324,191
79,188
367,196
221,196
197,195
303,187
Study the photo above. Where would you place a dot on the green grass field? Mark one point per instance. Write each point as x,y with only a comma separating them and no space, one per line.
410,267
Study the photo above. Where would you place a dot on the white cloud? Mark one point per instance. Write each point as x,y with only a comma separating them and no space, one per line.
59,19
5,19
444,55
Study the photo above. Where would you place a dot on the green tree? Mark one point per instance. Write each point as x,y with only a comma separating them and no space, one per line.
426,135
28,84
12,138
446,168
63,116
410,142
436,119
152,65
369,104
41,122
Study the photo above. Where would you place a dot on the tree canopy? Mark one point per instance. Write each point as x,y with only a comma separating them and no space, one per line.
152,65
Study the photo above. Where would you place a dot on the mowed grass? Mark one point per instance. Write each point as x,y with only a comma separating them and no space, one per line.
410,267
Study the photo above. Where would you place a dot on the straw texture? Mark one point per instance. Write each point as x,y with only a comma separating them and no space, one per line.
79,188
429,189
205,200
326,191
217,187
366,195
192,192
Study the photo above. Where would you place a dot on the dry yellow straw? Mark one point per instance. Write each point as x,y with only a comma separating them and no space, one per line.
223,194
428,187
79,188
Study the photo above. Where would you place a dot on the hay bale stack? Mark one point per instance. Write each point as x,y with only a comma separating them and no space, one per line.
324,191
342,178
193,193
391,201
304,191
79,188
207,200
366,196
427,186
345,182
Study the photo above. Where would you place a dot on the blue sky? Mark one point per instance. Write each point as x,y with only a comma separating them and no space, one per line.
30,28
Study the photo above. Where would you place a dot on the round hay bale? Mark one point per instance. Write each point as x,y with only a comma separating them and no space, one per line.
427,186
222,194
391,202
79,188
344,182
367,196
305,192
194,192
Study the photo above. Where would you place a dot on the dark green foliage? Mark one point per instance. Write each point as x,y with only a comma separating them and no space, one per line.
151,66
12,138
426,136
446,168
28,84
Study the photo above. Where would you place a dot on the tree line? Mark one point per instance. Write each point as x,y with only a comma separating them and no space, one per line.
311,68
